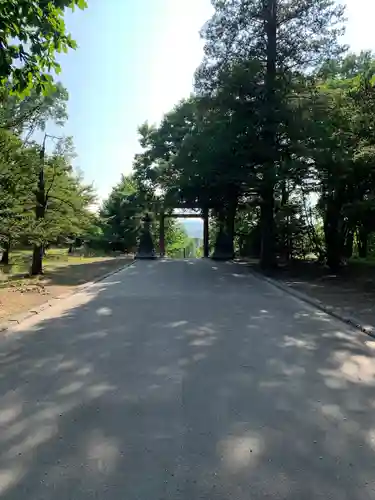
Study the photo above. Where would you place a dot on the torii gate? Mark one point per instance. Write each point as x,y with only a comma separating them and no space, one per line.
204,215
223,245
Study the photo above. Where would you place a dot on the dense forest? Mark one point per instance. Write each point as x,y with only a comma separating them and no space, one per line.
276,140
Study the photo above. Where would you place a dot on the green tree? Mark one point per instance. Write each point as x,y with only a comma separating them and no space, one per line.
31,32
195,156
284,37
17,174
62,203
340,146
176,239
121,215
31,113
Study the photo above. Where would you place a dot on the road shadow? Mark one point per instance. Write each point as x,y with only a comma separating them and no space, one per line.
80,273
187,381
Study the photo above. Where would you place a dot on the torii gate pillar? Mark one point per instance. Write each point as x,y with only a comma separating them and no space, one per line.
206,235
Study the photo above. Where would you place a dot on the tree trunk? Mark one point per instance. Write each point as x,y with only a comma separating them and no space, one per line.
332,236
362,243
40,212
348,244
70,249
268,255
286,243
267,249
5,256
231,220
37,263
162,234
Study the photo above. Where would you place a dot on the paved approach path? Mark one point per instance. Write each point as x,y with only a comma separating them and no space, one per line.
186,380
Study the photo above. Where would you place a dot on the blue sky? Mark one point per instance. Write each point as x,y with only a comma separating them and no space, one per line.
135,60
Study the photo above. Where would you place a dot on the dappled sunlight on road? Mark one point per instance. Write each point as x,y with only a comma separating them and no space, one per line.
10,477
301,343
241,452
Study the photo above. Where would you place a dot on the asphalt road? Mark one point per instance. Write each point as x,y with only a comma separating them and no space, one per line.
186,380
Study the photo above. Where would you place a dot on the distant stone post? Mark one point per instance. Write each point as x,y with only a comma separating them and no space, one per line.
224,249
146,249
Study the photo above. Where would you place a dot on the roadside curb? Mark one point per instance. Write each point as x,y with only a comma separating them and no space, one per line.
335,312
19,318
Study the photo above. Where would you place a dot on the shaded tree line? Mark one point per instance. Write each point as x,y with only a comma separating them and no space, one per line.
122,215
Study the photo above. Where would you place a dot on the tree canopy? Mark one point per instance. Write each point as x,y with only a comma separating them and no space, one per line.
31,33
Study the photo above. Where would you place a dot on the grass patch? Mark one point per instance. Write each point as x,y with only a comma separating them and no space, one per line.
20,262
62,273
368,261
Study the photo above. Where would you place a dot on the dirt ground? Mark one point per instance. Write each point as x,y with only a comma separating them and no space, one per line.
352,290
20,294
